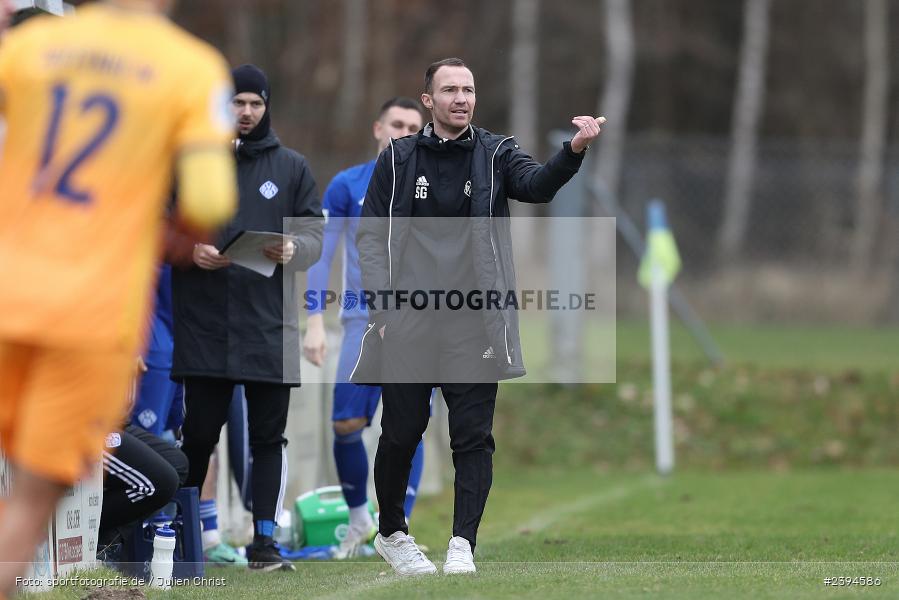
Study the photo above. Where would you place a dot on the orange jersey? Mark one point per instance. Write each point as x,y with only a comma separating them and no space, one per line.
97,106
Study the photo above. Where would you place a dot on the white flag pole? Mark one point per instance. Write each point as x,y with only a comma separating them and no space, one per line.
661,371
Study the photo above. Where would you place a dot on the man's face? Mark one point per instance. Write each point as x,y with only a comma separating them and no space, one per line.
452,98
397,122
6,10
249,108
166,6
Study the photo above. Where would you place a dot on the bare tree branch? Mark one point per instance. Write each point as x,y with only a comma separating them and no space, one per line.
353,72
747,111
523,67
615,100
869,182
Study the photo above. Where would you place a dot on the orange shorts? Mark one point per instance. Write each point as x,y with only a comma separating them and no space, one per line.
57,405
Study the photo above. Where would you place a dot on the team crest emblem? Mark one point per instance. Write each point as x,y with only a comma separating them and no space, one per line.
147,418
269,190
467,189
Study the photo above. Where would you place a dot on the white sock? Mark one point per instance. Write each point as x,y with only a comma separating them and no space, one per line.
211,539
360,518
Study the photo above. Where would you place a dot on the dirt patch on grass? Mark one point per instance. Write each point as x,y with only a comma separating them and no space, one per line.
107,593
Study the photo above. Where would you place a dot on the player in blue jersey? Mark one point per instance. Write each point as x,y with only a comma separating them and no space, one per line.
354,405
157,393
159,409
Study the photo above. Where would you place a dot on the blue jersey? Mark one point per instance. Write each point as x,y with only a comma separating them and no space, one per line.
342,207
161,344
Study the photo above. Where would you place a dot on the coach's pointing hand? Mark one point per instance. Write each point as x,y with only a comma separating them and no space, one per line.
588,130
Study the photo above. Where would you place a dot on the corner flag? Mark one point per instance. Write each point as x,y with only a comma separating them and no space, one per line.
659,267
660,247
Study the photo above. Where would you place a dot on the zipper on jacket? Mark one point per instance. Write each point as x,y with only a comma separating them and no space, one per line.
492,244
390,215
361,349
506,339
492,175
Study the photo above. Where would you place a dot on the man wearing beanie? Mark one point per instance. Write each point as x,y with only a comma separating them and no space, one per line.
231,326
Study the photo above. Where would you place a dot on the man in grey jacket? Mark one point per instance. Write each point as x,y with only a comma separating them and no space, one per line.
234,326
436,225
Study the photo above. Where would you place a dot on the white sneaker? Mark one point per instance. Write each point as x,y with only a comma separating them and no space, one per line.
354,543
403,554
459,558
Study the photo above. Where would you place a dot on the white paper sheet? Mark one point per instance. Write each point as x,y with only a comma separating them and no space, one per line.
246,250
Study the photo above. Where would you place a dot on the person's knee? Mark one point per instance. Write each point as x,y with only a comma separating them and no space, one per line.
166,484
201,438
354,437
34,494
181,466
266,444
472,440
346,427
405,433
406,439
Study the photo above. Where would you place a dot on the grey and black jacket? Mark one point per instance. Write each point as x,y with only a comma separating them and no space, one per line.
230,323
499,171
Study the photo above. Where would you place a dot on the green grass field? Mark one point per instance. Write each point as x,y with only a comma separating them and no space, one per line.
828,349
824,348
584,534
786,476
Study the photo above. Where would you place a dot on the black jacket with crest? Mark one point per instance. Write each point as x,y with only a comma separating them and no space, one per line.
499,171
230,323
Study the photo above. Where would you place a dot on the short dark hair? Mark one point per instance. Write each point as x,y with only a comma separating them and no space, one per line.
446,62
399,102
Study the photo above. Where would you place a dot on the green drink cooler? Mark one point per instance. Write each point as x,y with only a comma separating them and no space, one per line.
321,517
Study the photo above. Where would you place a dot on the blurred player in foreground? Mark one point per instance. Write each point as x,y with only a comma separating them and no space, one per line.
100,107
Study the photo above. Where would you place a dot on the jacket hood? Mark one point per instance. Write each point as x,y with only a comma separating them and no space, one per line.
253,148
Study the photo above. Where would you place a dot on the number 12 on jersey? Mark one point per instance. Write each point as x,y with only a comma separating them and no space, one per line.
59,176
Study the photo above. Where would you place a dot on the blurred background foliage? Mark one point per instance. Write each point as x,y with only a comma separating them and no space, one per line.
786,211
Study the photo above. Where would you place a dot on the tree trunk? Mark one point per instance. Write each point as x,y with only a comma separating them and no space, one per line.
240,37
523,69
869,182
524,100
892,308
383,56
349,100
747,111
615,101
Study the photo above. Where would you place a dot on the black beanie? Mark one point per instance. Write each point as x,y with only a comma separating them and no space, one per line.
250,78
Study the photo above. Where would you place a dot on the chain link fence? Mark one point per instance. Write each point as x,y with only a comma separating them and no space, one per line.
795,260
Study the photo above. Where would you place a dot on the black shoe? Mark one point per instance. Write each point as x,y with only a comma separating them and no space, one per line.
110,546
263,555
111,554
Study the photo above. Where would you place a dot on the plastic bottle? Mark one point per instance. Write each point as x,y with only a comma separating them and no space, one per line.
284,530
163,552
